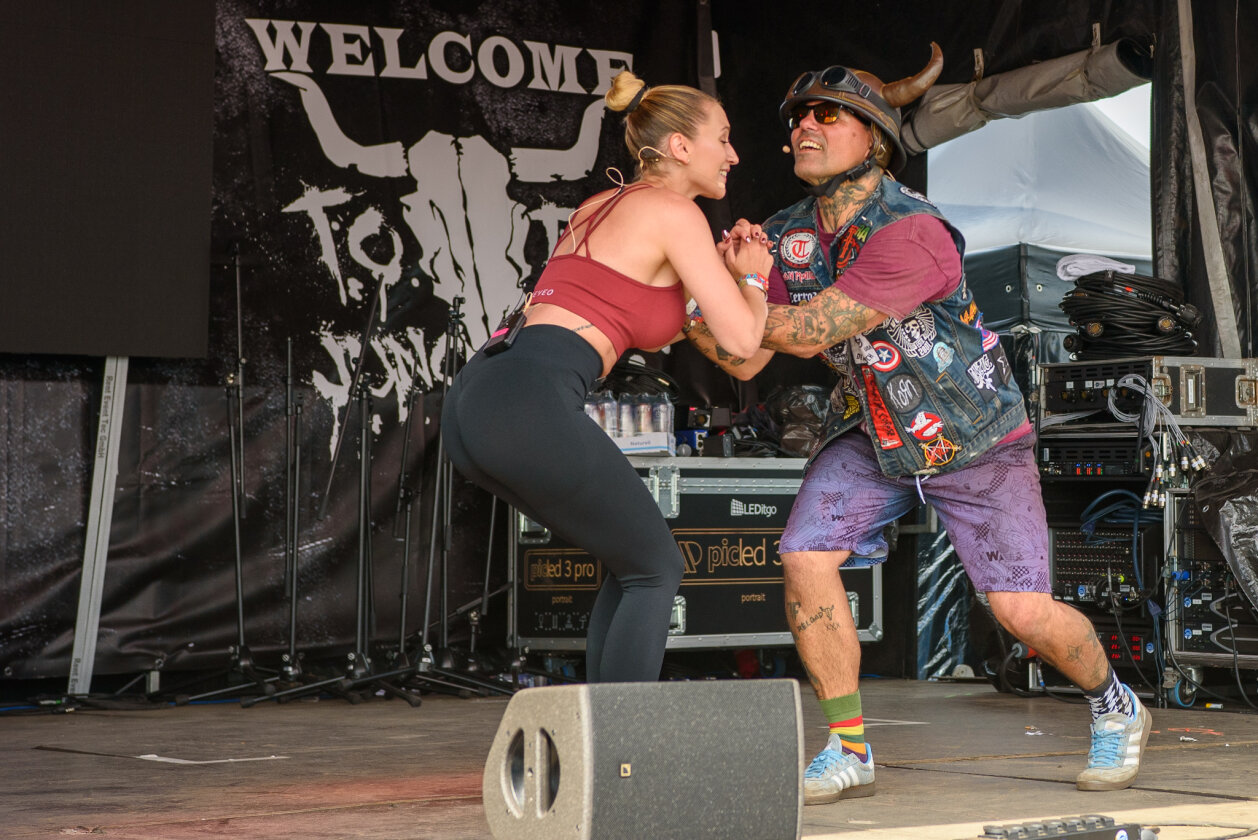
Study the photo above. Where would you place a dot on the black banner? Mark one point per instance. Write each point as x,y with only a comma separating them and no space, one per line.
372,163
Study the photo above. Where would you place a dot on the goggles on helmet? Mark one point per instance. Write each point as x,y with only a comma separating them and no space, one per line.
836,78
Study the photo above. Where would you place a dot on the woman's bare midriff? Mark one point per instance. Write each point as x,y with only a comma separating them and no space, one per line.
548,313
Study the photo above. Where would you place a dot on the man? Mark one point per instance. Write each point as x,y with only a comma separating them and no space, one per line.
925,410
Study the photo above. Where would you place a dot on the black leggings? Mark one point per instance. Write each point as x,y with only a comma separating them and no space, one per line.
515,424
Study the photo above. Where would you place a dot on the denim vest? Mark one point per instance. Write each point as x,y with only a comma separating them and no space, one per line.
934,388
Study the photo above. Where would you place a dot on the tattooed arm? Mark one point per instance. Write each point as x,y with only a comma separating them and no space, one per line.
804,330
819,324
703,340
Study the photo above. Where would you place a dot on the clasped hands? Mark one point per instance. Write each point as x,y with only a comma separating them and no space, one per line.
746,249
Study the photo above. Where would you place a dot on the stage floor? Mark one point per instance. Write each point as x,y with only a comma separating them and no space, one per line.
952,757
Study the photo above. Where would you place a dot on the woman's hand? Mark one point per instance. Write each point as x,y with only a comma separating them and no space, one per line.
746,250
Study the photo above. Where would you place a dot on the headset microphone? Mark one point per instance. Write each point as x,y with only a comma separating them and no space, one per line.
786,150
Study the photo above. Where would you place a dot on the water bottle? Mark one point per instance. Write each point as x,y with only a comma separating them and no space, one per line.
642,414
628,420
662,414
609,411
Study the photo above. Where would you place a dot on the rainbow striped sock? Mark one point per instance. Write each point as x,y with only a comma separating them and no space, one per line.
848,722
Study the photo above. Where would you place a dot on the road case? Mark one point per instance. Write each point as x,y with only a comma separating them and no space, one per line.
727,515
1197,391
1209,618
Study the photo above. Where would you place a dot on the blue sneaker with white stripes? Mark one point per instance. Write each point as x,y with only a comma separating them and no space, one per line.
1117,745
835,775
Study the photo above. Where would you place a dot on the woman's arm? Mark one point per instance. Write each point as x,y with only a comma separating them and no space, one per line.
734,314
701,337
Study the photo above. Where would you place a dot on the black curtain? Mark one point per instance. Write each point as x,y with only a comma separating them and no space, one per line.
1224,95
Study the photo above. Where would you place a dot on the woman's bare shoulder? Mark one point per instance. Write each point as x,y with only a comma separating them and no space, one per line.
665,204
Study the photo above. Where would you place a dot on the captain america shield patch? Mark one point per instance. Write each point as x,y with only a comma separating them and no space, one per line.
888,356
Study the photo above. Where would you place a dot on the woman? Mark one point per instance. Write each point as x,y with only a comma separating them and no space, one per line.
619,277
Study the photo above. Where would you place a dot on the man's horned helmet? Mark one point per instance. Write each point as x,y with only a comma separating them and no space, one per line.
866,95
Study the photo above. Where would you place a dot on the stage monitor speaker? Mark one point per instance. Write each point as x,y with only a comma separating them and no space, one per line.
627,761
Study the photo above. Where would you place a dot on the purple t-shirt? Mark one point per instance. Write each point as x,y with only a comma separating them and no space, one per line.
902,264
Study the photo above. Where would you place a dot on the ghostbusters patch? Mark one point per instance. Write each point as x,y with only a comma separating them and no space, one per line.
796,247
926,426
916,333
904,393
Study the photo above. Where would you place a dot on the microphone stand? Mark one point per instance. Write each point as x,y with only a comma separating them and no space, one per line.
241,658
443,487
291,668
407,496
359,671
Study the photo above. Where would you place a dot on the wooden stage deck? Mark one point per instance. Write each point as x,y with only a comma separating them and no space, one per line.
951,758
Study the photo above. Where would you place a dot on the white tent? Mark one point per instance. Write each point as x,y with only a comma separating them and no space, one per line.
1026,192
1068,179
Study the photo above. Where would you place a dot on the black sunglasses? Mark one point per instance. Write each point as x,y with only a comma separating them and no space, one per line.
836,77
823,112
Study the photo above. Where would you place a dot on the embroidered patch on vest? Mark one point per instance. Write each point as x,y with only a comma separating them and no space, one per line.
836,358
849,247
886,358
943,355
904,393
983,374
939,451
796,247
845,399
1003,370
881,420
916,333
912,193
801,293
926,426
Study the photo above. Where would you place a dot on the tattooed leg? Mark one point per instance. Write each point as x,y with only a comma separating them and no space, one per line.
821,622
1060,634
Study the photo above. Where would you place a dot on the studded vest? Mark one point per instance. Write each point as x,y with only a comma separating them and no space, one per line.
934,388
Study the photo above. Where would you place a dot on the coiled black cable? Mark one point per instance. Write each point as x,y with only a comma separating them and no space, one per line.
1118,315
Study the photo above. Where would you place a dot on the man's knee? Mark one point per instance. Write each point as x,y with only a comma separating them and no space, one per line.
800,564
1024,614
795,562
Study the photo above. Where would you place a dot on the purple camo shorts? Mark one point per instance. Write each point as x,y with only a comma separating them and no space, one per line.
991,509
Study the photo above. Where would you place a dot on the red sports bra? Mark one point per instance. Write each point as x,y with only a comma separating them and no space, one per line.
629,313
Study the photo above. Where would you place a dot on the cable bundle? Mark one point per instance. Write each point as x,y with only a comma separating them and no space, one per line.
1174,453
1119,315
1116,508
